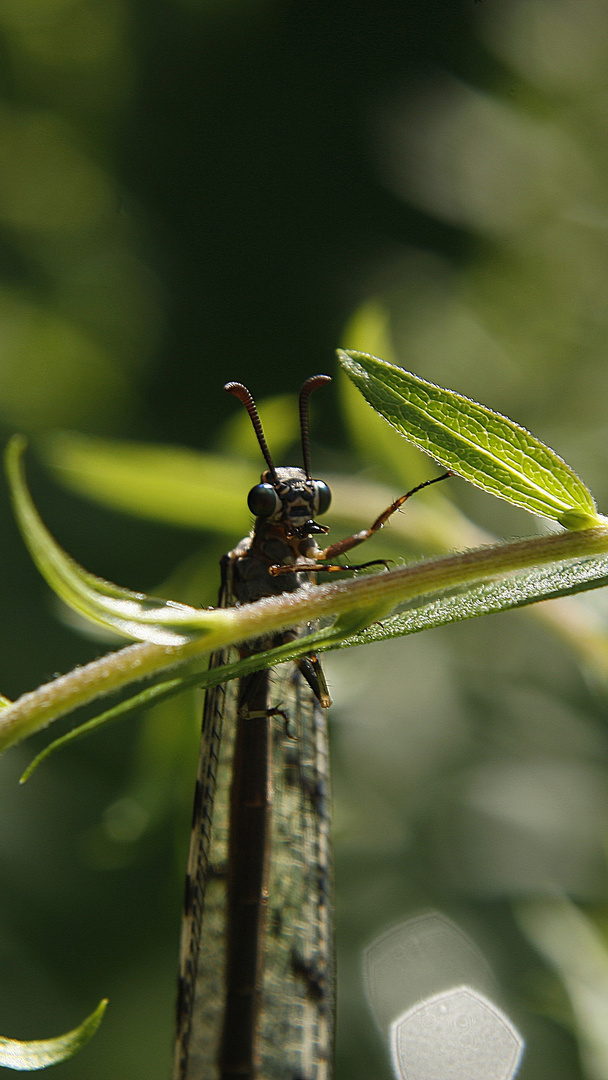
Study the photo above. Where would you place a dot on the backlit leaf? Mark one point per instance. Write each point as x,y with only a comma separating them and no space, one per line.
39,1054
478,444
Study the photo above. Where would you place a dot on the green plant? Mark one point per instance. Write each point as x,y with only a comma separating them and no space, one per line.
174,640
484,447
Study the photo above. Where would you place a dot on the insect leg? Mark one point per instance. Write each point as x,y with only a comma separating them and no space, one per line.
349,542
312,671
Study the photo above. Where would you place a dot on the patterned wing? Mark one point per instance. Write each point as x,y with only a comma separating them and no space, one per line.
293,1036
297,998
200,1003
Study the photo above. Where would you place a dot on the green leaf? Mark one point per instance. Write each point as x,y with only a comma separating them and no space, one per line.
515,590
160,483
374,440
135,615
152,695
171,484
29,1056
480,445
575,946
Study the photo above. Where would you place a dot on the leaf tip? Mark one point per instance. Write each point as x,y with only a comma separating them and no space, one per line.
348,360
39,1054
14,451
30,769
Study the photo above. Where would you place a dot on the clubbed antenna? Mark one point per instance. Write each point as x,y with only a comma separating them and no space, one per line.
307,389
242,393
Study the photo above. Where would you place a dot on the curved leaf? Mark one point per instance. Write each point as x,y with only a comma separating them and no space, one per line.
39,1054
480,445
152,695
135,615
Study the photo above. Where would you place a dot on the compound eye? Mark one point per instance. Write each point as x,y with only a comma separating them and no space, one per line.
263,500
322,497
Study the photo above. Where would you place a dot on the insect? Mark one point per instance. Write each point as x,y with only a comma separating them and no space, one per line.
256,983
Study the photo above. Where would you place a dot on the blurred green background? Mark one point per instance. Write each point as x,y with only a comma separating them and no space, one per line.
193,191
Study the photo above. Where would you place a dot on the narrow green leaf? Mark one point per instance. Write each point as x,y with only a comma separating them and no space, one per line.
29,1056
203,679
160,483
374,440
480,445
575,946
133,614
515,590
183,487
152,695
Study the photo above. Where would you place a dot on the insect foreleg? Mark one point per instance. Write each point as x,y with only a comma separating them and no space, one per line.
349,542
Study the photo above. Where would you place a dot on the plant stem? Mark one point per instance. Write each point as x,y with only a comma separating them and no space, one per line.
374,595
